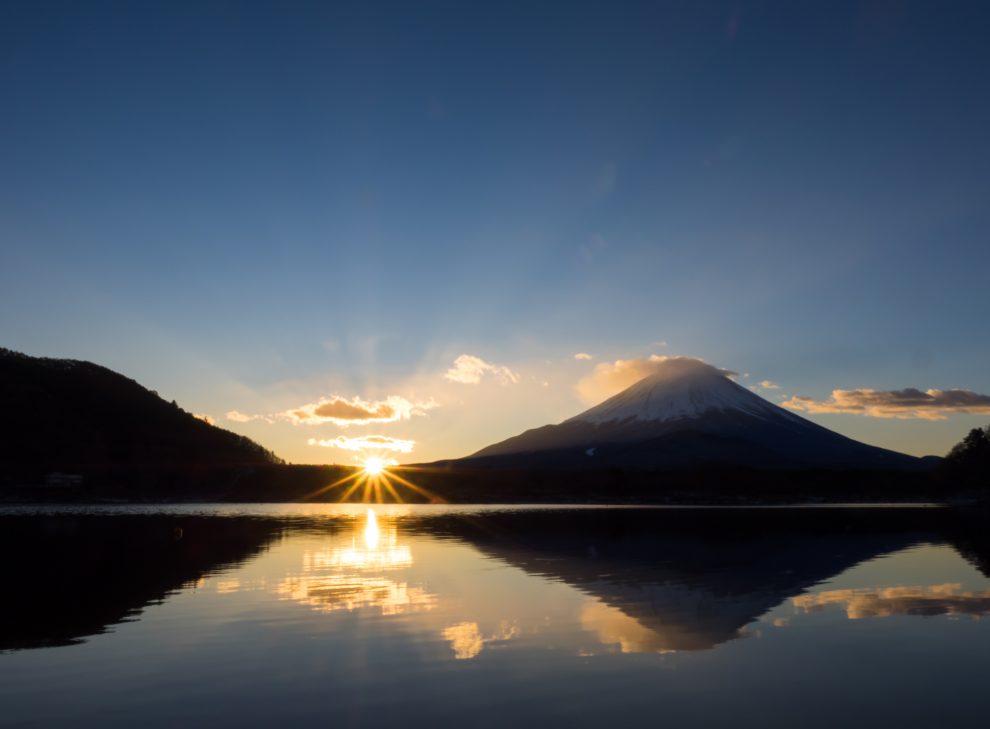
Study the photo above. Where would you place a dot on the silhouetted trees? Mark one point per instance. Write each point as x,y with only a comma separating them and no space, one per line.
75,417
969,460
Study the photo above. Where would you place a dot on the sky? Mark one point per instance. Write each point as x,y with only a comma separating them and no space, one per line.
271,212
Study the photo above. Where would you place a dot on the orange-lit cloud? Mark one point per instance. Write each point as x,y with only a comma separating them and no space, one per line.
205,419
608,378
239,417
344,412
906,404
768,385
469,370
355,411
614,627
582,355
366,442
946,599
467,640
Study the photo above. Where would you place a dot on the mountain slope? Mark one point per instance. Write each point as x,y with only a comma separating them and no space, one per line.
686,414
77,417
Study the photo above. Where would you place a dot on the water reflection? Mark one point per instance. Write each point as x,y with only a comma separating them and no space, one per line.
611,626
352,575
373,549
945,599
588,581
69,577
467,640
680,581
432,617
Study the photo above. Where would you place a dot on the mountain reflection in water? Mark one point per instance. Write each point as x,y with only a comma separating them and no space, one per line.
248,615
673,580
655,580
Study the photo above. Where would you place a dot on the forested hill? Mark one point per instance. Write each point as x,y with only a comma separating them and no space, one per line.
63,415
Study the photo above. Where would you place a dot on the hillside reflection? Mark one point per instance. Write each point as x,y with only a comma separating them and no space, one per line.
639,580
68,577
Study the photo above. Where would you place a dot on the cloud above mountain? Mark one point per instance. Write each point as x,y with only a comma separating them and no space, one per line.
344,411
470,370
235,416
366,443
609,378
355,411
907,404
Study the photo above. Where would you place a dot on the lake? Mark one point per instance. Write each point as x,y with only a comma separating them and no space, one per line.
351,615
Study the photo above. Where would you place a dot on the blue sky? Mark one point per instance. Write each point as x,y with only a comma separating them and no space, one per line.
252,206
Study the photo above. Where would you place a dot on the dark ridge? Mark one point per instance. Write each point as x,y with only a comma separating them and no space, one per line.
67,418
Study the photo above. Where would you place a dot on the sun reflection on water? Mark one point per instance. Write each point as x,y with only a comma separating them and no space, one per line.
352,576
371,532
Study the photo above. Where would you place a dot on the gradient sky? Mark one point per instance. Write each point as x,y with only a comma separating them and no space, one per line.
252,206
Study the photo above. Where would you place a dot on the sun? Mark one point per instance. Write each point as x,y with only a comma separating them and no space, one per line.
376,479
374,466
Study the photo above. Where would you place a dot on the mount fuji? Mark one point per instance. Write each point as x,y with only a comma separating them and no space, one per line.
684,415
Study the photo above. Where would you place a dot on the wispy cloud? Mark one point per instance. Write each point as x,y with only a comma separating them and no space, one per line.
355,411
608,378
366,443
205,418
764,385
906,404
582,355
238,417
344,411
469,370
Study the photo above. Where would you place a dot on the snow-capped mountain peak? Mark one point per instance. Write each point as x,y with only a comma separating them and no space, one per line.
688,413
681,388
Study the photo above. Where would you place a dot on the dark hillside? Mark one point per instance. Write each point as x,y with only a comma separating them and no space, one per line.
74,417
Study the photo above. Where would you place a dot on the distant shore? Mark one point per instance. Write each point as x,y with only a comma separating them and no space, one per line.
446,484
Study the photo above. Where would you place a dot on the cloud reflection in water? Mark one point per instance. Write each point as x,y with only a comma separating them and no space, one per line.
944,599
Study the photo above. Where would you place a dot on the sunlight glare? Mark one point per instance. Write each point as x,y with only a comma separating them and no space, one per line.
374,466
371,531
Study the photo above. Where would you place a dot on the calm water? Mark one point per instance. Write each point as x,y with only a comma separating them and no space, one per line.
433,616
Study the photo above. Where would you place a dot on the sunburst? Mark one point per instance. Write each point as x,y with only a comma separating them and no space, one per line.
375,481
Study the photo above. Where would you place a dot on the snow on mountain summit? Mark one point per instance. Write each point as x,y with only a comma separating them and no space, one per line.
681,388
687,414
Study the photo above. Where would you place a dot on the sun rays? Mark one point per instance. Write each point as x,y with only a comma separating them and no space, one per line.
375,481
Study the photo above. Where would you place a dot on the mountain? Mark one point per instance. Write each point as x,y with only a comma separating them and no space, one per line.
74,417
688,414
